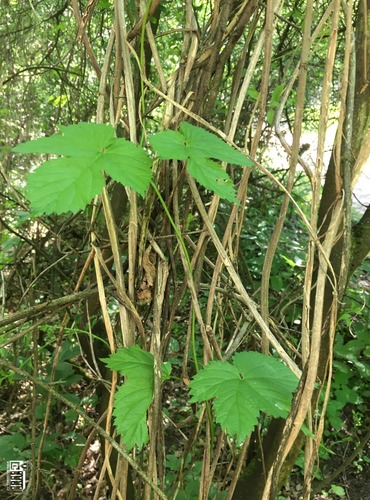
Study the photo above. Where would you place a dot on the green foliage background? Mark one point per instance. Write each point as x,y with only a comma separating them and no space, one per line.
49,96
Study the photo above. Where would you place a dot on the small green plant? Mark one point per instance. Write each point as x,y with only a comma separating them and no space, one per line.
134,397
351,368
337,490
16,446
69,184
197,146
252,383
188,487
11,446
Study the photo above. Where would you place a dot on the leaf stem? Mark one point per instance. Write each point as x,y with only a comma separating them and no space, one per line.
175,228
190,270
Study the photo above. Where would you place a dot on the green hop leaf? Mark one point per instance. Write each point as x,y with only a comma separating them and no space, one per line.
212,176
81,140
170,145
62,185
253,383
134,397
198,147
204,144
89,150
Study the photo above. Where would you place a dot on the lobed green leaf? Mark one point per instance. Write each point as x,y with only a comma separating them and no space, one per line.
130,406
62,185
70,183
253,383
128,164
170,145
131,362
204,144
81,140
134,397
196,146
235,412
213,177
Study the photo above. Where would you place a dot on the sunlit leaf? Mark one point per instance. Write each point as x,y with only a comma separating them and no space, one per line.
89,150
253,383
170,145
203,144
84,140
134,397
212,176
61,185
198,148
